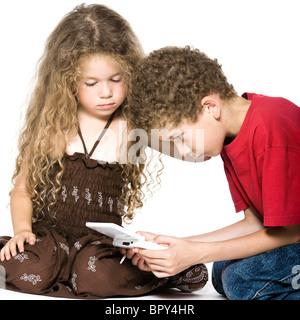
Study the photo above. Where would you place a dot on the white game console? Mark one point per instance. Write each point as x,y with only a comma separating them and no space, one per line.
122,237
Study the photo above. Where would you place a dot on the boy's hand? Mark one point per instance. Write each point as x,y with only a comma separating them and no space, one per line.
135,258
17,242
165,263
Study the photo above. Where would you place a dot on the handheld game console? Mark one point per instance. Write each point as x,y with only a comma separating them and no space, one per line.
122,237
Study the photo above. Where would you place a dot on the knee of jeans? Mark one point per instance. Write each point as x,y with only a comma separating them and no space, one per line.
237,282
217,271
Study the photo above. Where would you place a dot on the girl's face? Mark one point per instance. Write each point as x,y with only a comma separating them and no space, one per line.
101,88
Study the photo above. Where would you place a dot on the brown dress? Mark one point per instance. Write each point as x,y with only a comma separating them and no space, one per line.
70,260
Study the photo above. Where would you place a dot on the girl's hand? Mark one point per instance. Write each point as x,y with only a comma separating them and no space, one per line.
180,255
17,242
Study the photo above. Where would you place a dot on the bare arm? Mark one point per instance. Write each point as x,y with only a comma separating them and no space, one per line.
251,223
252,244
21,214
21,206
225,244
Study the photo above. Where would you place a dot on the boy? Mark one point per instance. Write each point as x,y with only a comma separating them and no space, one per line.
258,138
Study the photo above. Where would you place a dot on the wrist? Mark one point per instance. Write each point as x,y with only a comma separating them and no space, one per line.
198,252
22,230
203,251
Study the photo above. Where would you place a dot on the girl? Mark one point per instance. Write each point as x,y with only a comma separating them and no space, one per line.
58,183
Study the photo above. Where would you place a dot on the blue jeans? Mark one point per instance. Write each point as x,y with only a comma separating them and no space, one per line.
272,275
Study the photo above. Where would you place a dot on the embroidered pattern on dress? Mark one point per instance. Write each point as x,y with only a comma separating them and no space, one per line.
73,281
194,279
64,193
91,264
138,287
100,199
77,245
21,256
69,288
64,247
113,203
96,242
88,196
118,204
110,202
160,283
34,279
75,193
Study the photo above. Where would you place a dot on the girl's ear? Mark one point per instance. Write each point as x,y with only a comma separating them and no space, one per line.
212,105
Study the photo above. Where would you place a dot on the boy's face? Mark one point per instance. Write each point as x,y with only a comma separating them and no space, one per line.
198,141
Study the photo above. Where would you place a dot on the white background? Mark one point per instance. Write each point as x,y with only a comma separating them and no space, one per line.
256,41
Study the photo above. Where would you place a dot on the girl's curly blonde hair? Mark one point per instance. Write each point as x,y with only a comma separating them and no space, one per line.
52,110
169,84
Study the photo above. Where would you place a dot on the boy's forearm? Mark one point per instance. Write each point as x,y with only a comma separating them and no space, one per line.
250,224
235,230
249,245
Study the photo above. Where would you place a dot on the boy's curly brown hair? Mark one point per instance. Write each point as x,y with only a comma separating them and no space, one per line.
168,86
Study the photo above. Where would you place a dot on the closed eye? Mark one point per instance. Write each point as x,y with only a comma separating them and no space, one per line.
90,84
116,80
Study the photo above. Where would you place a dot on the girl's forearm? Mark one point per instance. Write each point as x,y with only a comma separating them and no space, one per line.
249,245
21,211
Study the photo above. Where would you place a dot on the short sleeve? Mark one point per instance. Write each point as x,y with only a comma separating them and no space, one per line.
281,186
237,198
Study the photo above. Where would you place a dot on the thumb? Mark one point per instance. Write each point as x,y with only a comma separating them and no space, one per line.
148,235
31,238
161,239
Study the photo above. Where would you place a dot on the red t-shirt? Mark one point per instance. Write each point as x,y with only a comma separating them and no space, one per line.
262,164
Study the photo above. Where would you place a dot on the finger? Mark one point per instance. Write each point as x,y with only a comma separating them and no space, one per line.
159,269
142,265
148,235
31,238
152,254
7,251
157,266
2,257
135,259
13,247
130,253
20,244
161,239
159,274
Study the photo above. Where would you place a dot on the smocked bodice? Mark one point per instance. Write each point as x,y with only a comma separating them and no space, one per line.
90,191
